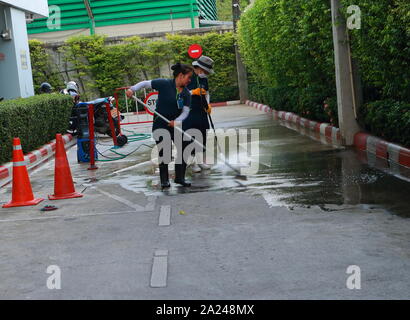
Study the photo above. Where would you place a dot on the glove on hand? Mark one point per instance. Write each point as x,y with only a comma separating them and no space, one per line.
198,92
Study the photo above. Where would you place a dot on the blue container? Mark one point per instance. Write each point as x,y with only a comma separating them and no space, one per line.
83,150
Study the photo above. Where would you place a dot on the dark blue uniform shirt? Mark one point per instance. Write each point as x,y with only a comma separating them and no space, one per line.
167,103
197,118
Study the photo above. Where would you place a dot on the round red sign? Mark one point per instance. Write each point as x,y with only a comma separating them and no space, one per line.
151,101
195,51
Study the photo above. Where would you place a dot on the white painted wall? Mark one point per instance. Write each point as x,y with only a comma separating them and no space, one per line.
16,78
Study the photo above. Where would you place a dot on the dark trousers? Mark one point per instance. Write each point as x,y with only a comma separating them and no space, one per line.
165,149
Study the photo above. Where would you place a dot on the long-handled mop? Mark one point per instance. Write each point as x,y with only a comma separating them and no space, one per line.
238,173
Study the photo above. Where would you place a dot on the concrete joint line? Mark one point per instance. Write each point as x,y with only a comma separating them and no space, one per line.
165,216
159,269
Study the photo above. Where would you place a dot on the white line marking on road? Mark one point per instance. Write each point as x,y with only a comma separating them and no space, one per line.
161,253
165,216
124,201
149,207
68,217
159,269
139,165
151,203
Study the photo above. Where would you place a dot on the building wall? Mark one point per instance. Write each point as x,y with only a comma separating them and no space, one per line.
68,73
38,6
122,17
120,30
74,14
15,70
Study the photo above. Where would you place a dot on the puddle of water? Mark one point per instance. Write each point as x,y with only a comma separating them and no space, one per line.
294,170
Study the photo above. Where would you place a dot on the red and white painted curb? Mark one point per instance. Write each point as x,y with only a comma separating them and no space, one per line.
382,149
331,133
259,106
225,104
34,158
362,141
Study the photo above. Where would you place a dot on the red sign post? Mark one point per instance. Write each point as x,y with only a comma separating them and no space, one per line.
195,51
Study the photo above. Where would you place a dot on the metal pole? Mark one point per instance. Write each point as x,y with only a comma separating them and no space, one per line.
118,111
90,16
242,75
92,137
192,14
172,23
111,122
126,104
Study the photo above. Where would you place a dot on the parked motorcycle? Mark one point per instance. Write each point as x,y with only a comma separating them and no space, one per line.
79,114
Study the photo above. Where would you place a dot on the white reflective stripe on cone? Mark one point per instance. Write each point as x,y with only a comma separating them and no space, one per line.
19,163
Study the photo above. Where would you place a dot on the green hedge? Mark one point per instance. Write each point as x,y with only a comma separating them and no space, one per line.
44,69
382,47
223,85
388,119
100,68
288,49
34,120
307,102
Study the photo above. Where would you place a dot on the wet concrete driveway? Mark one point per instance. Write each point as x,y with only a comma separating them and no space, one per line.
291,231
294,170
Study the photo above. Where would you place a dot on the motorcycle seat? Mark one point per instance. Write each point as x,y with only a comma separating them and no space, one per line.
97,101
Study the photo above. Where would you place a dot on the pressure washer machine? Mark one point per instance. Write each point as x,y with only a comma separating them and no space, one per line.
83,133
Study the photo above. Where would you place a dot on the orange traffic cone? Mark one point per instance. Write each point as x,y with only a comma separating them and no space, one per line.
63,181
22,192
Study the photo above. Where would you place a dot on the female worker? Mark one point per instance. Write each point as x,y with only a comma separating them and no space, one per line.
198,118
173,103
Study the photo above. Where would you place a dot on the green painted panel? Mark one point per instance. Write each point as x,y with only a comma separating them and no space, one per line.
115,12
108,23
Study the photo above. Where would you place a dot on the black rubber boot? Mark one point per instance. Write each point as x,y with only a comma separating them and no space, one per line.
180,175
163,174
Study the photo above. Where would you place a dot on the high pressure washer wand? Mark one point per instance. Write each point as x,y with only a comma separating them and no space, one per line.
238,172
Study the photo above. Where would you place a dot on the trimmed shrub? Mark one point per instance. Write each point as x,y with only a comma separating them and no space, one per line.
35,120
223,85
44,69
382,47
310,102
387,119
100,68
288,49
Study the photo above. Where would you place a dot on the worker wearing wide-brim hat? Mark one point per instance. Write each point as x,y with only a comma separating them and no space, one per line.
174,101
200,107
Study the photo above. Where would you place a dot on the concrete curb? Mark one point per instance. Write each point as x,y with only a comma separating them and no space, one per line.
382,149
34,158
362,141
331,133
225,104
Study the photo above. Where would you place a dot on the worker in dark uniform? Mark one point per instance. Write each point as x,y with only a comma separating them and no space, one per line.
198,117
174,101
